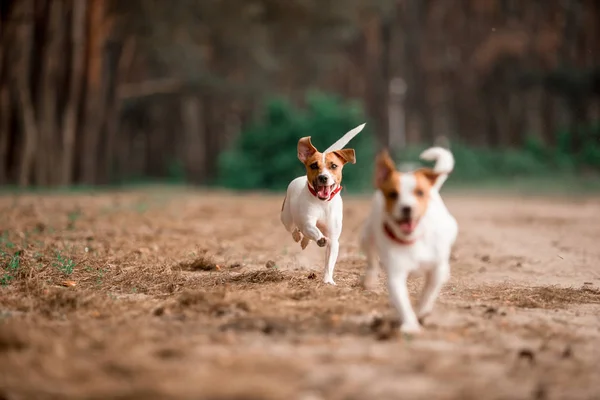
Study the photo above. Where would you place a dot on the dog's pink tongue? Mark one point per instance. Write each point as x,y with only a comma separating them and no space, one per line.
323,191
407,226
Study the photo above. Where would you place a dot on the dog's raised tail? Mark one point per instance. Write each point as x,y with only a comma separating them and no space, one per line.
444,163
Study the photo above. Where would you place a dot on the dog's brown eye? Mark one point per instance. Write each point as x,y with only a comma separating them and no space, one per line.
392,195
419,193
334,166
314,166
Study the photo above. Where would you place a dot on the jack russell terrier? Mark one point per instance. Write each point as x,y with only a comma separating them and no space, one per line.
411,231
312,208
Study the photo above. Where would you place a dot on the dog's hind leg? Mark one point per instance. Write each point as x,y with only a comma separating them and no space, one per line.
305,241
286,215
288,221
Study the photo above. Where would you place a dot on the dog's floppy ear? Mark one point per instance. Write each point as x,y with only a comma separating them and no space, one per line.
429,174
346,155
305,149
384,167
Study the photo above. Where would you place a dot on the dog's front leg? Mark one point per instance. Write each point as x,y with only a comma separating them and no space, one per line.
334,231
401,300
434,280
333,248
309,230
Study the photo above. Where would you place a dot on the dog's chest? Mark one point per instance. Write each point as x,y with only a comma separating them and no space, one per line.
420,256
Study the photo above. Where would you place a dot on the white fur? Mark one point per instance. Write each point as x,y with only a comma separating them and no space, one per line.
444,163
433,238
344,140
302,212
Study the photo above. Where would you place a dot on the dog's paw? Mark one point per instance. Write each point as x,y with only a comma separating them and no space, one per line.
296,235
369,282
422,316
329,281
322,242
410,329
304,242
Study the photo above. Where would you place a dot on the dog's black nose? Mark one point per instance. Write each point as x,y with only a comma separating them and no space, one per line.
322,178
406,212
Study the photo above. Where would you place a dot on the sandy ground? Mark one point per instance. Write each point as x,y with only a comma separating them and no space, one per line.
190,295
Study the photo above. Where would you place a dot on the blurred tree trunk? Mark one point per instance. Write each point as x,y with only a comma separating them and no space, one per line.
211,137
376,59
5,113
5,109
22,86
415,19
548,119
194,128
576,115
78,23
46,156
117,60
96,90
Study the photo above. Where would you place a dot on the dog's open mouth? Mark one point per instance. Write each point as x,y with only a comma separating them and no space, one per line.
407,226
323,192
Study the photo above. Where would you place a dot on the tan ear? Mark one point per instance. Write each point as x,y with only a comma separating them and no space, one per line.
346,155
384,167
429,174
305,149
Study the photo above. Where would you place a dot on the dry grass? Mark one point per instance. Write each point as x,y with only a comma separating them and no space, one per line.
138,295
552,297
545,297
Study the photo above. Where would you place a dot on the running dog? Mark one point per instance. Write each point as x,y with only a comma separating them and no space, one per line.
410,231
313,208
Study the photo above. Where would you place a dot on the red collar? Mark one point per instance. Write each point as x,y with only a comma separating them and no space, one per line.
390,234
331,196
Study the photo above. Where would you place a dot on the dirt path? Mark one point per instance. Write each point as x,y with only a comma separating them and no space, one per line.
173,298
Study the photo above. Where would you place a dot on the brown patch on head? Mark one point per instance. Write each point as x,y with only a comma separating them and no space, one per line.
311,158
316,165
387,179
346,155
429,174
425,178
306,149
403,189
334,162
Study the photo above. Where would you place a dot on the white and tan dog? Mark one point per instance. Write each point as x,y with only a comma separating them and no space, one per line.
411,231
312,208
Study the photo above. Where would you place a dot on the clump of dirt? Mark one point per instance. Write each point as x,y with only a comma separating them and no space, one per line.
11,338
62,300
302,294
213,303
204,262
385,328
265,276
195,298
269,326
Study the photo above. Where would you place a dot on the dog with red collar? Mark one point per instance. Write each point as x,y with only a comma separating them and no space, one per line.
312,208
410,231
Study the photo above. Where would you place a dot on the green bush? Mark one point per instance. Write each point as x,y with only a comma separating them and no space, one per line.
265,154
